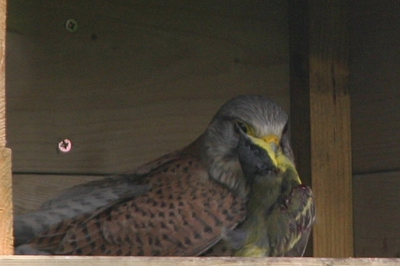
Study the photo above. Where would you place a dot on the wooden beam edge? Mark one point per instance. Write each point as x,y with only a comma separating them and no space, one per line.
6,221
185,261
6,208
3,10
330,128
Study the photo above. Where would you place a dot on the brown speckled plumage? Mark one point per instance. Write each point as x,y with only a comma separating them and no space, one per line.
181,214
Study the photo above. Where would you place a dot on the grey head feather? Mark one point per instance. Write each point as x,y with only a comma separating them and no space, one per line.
221,140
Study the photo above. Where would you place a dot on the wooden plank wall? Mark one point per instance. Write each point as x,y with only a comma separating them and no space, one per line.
136,79
375,85
375,94
377,215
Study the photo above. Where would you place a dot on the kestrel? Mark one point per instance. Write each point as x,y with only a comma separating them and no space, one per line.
180,204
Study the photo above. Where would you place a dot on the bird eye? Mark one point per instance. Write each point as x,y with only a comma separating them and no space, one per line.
242,126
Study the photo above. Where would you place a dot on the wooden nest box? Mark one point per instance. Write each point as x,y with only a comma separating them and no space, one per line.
92,88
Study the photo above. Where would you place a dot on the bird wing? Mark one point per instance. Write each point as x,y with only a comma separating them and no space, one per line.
112,187
182,214
98,190
86,198
301,212
27,226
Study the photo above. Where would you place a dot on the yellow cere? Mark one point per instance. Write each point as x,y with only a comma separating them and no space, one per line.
271,139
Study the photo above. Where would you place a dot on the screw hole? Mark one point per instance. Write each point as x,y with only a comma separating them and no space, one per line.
65,145
71,25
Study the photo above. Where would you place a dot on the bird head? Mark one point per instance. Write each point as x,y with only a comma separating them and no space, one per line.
259,119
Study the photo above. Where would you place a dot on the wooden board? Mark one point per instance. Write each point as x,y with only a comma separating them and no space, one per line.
136,79
320,106
331,164
375,91
190,261
6,207
30,191
6,222
377,215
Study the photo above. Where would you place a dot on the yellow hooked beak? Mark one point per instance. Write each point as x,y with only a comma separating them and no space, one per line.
270,144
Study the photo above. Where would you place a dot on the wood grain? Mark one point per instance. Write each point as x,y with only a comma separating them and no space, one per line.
330,129
6,208
30,191
319,80
375,90
136,79
377,215
176,261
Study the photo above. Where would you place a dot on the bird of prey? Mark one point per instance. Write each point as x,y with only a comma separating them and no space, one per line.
280,211
180,204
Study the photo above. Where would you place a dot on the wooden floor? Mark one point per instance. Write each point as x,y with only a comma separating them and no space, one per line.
190,261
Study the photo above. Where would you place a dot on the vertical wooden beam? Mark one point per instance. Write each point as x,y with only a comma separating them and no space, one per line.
6,218
3,10
6,224
320,117
330,128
